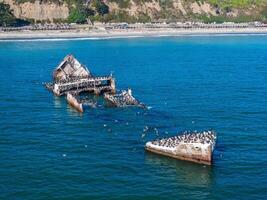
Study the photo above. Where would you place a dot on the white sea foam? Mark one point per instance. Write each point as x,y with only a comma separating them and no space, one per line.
130,36
50,39
70,38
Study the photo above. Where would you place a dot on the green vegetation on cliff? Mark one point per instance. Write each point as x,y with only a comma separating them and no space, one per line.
7,18
160,10
220,11
80,14
236,3
101,8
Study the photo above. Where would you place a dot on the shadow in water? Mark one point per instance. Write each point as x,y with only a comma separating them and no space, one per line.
192,174
57,101
61,103
72,112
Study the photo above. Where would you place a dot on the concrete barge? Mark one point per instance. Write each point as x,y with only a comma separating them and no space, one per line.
194,147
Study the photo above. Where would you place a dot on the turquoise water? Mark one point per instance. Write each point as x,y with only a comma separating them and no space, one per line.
49,151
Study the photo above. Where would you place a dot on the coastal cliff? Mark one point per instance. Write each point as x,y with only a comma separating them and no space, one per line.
190,10
140,10
36,10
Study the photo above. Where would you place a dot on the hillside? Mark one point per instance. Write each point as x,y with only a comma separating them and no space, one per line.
187,10
139,10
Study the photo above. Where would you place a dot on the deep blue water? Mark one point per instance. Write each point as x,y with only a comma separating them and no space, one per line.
49,151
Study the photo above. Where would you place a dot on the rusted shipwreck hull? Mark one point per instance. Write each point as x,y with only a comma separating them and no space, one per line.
72,76
74,102
194,147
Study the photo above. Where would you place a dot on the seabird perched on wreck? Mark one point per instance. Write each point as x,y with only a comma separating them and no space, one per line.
195,147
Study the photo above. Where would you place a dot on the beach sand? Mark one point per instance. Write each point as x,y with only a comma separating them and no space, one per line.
124,33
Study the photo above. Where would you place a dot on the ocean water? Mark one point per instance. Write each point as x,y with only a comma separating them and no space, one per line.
49,151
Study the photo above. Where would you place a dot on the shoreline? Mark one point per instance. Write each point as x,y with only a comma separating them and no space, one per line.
126,33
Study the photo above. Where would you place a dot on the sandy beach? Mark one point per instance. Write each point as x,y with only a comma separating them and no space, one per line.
123,33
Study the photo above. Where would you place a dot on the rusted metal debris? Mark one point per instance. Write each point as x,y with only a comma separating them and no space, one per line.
123,99
71,78
78,103
74,101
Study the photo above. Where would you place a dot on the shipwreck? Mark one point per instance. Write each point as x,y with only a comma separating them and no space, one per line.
194,147
71,78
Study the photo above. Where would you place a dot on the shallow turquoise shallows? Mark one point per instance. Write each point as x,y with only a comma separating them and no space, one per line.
49,151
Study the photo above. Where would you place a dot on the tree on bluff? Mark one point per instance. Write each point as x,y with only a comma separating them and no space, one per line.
6,16
101,8
80,14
